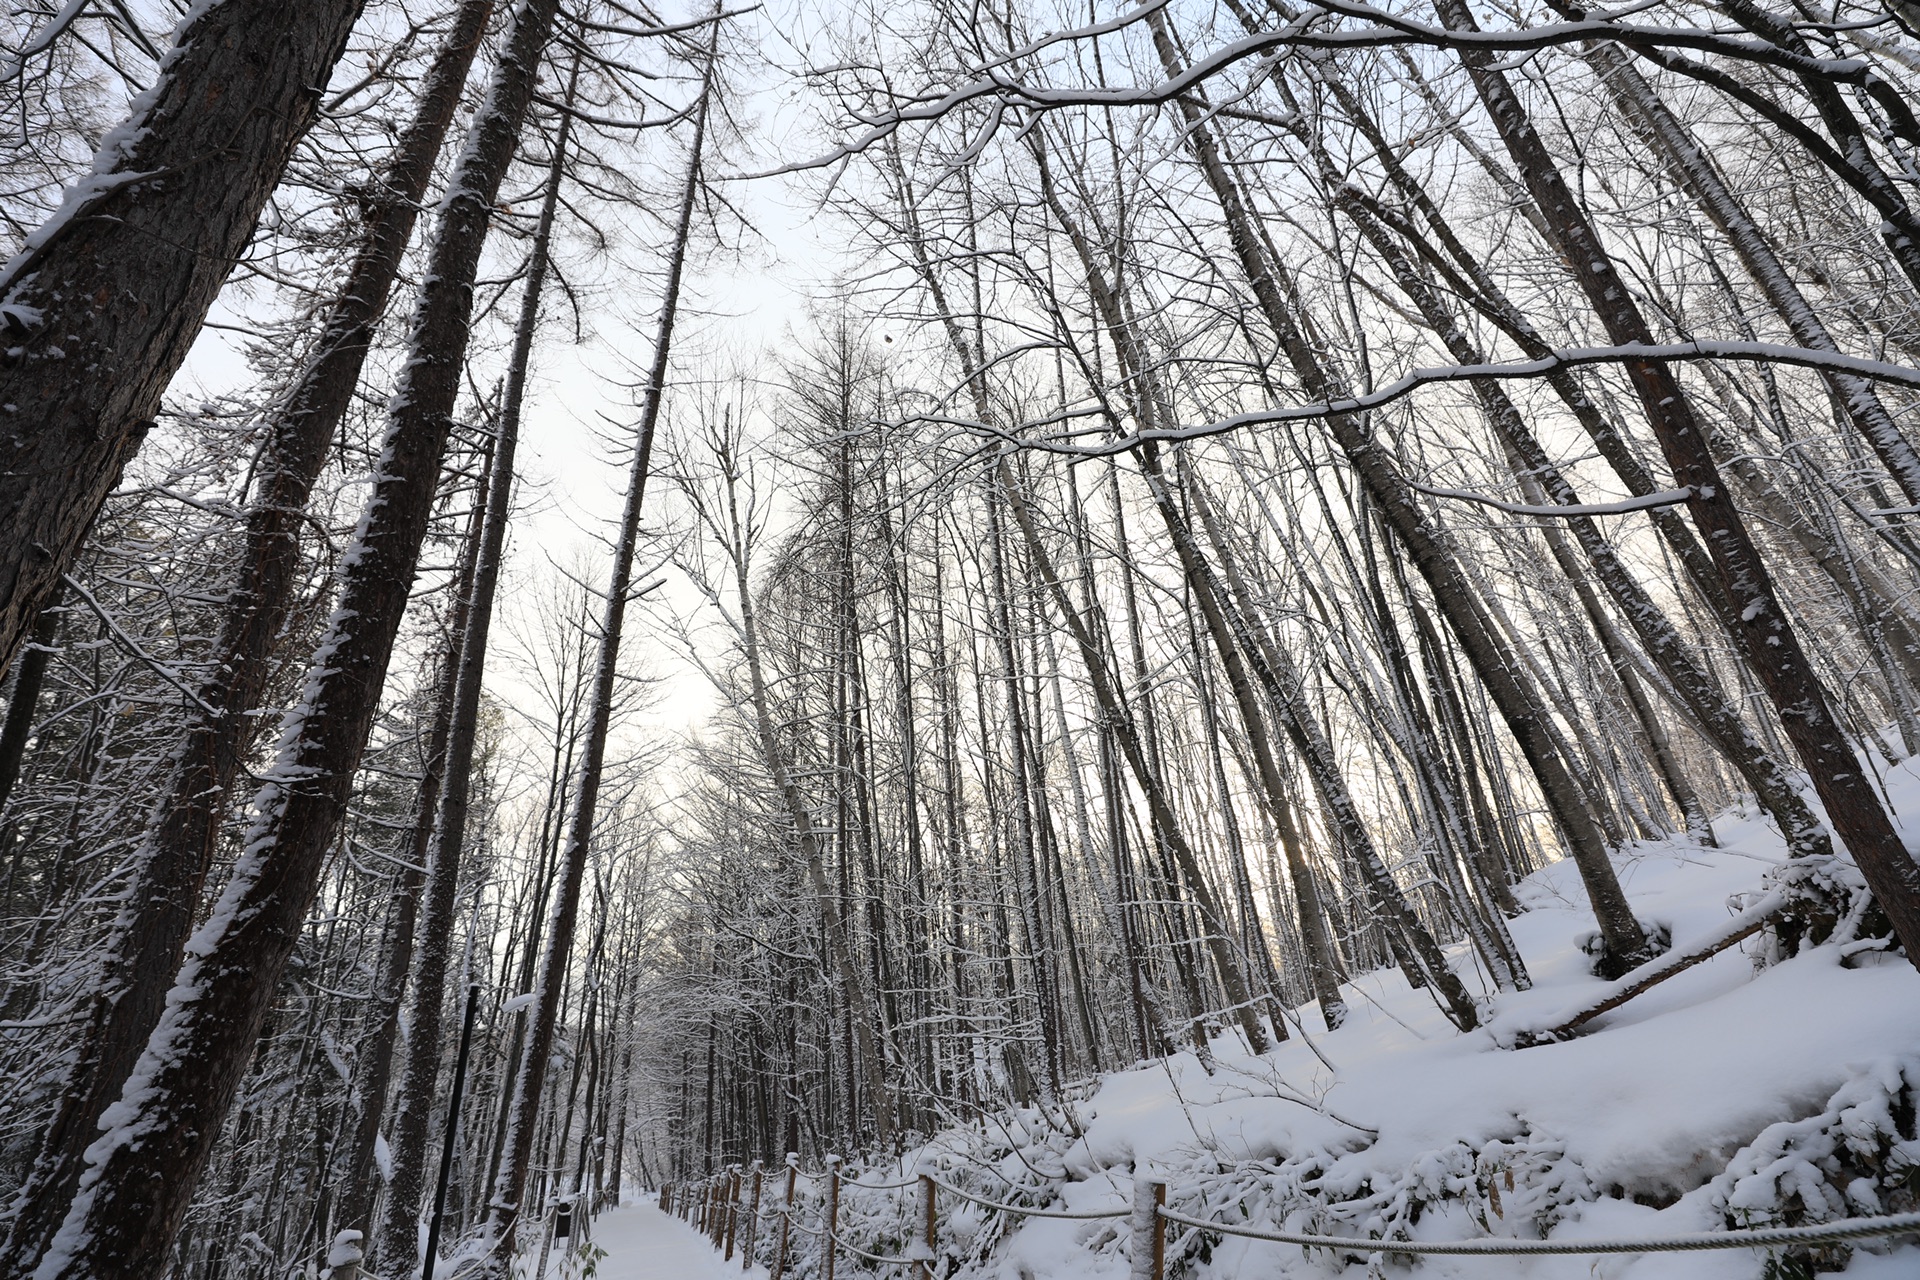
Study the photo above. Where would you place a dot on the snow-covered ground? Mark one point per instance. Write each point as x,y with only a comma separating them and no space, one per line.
1647,1126
643,1243
1732,1094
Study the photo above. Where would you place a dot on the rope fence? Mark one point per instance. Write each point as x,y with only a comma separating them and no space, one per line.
715,1206
1019,1210
1759,1237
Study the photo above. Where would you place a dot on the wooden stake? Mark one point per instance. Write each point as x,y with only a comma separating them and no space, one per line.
753,1220
832,1215
786,1217
923,1269
1149,1229
733,1212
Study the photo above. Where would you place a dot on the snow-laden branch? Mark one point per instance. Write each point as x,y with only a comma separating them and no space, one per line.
165,670
1407,384
992,82
1647,502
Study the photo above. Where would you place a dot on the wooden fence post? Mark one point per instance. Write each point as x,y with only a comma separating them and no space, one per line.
733,1211
786,1217
1149,1228
923,1267
831,1217
753,1220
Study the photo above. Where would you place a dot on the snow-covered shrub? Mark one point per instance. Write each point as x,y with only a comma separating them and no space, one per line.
1857,1156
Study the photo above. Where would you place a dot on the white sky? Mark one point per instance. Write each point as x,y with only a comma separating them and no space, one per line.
571,487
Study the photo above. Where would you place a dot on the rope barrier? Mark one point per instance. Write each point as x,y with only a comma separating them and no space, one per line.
1760,1237
878,1186
1024,1212
1850,1229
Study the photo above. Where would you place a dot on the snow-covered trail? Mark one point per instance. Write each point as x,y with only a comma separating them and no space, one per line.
643,1243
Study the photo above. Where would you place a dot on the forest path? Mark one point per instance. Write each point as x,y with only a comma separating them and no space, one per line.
643,1243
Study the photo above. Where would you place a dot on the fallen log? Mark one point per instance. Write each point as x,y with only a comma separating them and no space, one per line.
1559,1026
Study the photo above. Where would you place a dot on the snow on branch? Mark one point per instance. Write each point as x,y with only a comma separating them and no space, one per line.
992,82
1647,502
1554,362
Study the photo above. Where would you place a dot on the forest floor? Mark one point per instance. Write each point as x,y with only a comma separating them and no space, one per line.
1731,1095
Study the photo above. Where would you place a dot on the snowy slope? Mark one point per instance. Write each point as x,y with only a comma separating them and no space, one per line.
1676,1113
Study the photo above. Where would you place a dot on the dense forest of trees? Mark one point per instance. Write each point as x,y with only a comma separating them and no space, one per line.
1263,479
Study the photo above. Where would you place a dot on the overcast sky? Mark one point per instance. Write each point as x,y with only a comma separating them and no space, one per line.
571,484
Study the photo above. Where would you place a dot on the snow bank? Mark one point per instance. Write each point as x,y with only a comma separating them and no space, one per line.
1731,1095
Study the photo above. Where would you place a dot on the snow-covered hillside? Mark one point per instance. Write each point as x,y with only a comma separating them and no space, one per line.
1732,1094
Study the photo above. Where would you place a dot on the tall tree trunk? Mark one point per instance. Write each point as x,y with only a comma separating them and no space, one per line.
1282,683
1768,639
860,1010
1219,930
177,847
1285,690
1022,853
1624,940
1118,720
24,698
103,302
373,1066
397,1245
1856,398
523,1106
139,1178
1670,652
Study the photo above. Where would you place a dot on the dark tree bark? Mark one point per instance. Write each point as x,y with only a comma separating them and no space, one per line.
523,1106
1856,398
1690,680
1218,926
1117,720
23,698
373,1066
412,1108
1768,639
139,1179
1430,549
103,302
178,844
